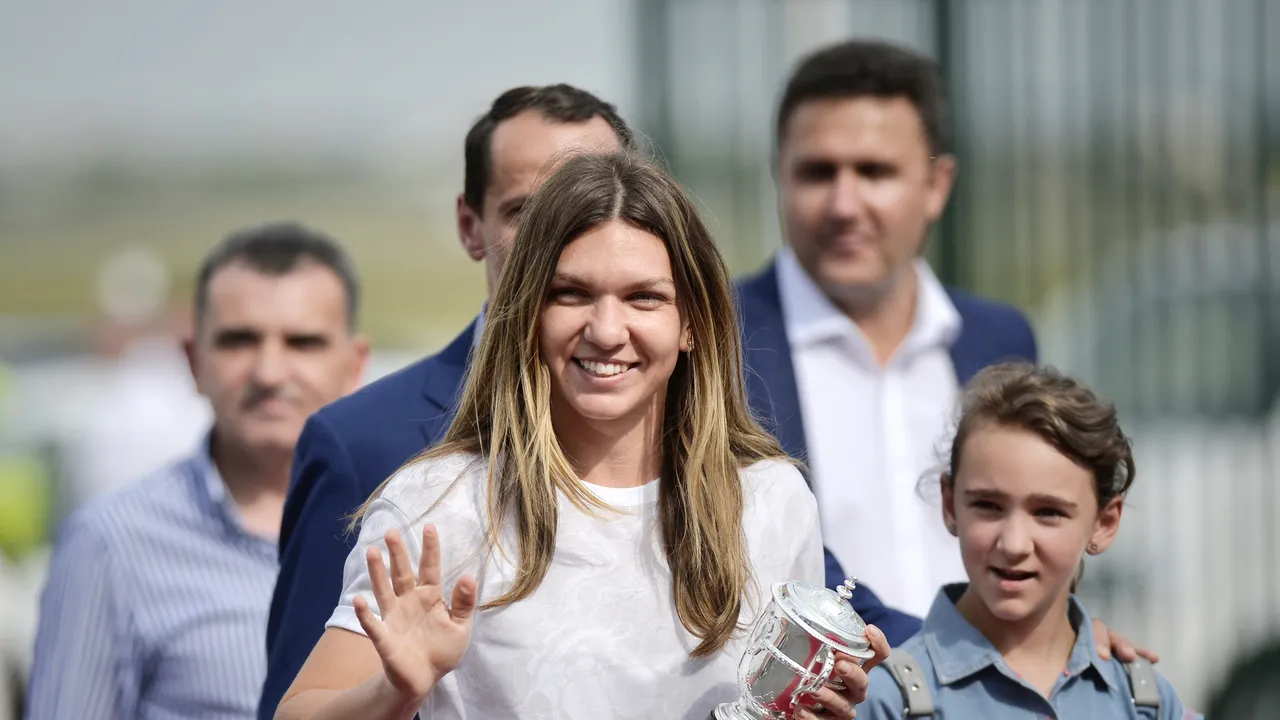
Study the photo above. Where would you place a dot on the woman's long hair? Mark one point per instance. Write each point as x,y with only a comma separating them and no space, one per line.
708,432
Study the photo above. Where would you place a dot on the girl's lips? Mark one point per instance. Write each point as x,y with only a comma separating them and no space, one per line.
1012,574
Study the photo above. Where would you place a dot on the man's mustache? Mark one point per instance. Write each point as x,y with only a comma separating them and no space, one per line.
257,394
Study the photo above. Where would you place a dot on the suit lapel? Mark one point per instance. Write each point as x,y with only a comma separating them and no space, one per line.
973,349
442,385
966,354
771,378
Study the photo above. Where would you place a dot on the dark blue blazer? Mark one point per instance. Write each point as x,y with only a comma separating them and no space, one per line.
345,451
990,333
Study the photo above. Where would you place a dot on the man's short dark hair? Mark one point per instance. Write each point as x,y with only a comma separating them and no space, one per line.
277,249
869,68
558,103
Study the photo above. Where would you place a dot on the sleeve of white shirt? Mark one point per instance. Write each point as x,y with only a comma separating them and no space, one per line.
382,516
782,517
84,665
810,564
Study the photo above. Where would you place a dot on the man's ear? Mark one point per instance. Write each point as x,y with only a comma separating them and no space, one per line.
469,232
193,359
942,177
360,360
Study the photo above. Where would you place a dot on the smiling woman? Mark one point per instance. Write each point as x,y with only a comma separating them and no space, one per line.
604,513
611,333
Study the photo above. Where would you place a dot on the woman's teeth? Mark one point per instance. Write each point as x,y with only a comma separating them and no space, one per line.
603,369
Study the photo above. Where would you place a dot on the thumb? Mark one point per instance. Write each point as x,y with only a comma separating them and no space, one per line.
463,604
879,645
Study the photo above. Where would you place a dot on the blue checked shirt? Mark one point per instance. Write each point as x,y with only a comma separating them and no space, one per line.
155,606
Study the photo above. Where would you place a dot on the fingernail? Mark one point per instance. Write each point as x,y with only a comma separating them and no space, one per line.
844,668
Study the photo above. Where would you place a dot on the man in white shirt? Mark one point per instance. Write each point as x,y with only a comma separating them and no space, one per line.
850,338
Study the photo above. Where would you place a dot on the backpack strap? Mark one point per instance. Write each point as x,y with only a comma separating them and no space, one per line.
1142,684
906,671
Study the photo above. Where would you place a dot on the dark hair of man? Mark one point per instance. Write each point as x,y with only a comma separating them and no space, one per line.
869,68
558,103
277,249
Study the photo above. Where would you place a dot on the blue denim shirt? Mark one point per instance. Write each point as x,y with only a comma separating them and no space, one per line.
969,679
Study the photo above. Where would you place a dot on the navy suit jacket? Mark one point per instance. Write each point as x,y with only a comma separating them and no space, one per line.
990,333
345,451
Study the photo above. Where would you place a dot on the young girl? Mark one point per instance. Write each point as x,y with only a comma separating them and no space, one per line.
604,517
1038,472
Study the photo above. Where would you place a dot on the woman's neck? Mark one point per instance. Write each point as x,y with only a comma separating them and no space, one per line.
1038,647
617,454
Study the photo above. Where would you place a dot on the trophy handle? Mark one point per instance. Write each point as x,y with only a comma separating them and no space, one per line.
819,678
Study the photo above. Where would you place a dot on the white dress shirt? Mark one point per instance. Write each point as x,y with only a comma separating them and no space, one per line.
877,436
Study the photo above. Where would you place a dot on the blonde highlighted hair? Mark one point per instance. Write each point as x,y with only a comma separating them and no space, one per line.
708,432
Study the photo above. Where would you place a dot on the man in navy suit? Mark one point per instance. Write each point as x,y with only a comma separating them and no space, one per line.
348,448
853,345
855,351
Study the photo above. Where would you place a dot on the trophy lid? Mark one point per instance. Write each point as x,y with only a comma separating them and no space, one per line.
826,614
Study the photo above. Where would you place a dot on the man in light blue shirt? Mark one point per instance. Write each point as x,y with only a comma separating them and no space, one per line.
965,676
156,601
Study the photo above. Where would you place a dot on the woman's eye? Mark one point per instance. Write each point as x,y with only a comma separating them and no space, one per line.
566,293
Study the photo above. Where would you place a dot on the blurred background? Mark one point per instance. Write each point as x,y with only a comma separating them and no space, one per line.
1120,182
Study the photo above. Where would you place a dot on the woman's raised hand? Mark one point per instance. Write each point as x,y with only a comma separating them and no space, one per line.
419,638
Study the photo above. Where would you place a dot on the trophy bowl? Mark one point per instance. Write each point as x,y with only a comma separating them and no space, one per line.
791,650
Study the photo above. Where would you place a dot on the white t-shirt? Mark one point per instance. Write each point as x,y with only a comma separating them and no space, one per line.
600,637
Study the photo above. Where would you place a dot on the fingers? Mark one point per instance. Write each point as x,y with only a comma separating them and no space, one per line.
429,563
1122,648
382,591
879,645
1109,642
373,627
1102,638
856,682
402,578
464,599
832,704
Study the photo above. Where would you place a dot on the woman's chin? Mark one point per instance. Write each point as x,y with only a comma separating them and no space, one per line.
603,410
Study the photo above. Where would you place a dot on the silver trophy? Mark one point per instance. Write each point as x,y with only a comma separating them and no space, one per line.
791,650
